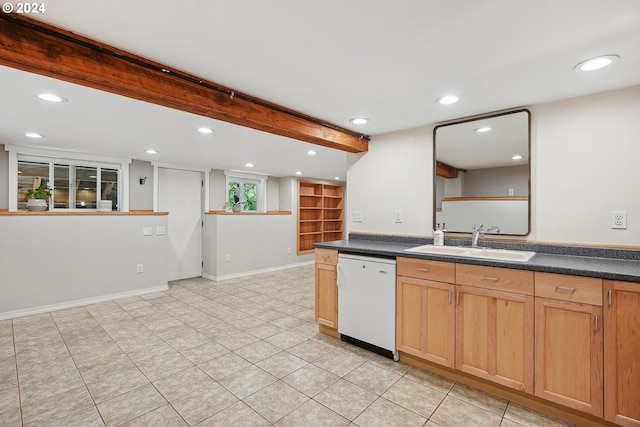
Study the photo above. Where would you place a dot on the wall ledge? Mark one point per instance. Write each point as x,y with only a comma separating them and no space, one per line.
5,212
248,213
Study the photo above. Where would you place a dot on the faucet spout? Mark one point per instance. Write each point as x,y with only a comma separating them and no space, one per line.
476,235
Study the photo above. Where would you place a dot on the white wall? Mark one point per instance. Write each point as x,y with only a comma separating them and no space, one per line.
140,195
395,174
56,261
496,182
586,164
585,154
253,243
4,178
217,190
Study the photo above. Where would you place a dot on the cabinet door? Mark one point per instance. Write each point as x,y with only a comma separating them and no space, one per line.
326,295
569,354
494,336
426,320
621,353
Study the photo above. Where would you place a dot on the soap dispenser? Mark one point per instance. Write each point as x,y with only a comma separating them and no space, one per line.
438,236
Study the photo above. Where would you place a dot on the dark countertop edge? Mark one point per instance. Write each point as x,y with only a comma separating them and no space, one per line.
612,268
572,250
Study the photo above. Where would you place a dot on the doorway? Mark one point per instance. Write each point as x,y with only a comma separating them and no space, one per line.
180,194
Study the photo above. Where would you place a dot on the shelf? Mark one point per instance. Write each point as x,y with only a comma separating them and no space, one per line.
320,214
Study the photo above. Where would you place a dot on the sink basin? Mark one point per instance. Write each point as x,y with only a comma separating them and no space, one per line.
484,253
501,254
439,250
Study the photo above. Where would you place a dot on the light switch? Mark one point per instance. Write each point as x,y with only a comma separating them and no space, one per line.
147,231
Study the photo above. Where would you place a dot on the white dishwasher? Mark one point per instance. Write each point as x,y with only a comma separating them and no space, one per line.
367,302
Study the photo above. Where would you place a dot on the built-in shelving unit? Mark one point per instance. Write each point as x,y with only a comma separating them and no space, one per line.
320,214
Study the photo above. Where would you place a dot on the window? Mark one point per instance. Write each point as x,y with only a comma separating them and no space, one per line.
77,182
245,193
74,186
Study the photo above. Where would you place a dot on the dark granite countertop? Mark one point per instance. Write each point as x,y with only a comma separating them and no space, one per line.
606,263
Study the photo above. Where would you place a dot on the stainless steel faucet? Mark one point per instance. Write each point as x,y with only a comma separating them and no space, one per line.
479,233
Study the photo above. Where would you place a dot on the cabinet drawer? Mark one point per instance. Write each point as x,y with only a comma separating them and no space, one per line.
425,269
326,256
502,279
587,290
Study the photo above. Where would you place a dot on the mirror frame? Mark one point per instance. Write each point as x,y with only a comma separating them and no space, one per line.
480,117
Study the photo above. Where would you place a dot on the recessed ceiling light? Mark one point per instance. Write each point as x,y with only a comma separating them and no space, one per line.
249,165
51,97
205,130
516,157
151,151
483,129
337,178
312,152
298,172
448,100
596,63
33,135
359,120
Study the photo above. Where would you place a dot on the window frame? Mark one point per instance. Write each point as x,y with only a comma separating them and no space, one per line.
53,157
244,178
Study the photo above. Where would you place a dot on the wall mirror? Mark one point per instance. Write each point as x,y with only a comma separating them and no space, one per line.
482,174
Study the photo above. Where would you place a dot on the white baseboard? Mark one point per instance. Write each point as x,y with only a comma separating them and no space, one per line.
253,272
78,303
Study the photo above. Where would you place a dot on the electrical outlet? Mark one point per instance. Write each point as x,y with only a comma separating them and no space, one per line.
227,258
397,216
356,216
619,220
140,268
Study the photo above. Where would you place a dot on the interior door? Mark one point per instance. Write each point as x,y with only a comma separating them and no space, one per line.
180,194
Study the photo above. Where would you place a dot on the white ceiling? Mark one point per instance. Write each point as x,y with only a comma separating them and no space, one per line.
460,146
332,59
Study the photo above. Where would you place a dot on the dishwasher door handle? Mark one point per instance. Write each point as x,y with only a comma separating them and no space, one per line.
340,278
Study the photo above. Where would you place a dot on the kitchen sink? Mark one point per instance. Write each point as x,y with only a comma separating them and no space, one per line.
484,253
439,250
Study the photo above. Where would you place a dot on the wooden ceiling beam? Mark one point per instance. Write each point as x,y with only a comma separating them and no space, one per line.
446,171
36,47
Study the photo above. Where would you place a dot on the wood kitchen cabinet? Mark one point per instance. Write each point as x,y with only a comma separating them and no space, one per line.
425,312
326,310
495,324
622,352
569,341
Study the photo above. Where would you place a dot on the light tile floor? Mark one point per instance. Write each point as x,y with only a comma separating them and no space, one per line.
241,352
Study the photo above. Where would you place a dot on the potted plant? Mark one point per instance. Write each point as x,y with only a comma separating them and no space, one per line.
37,198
